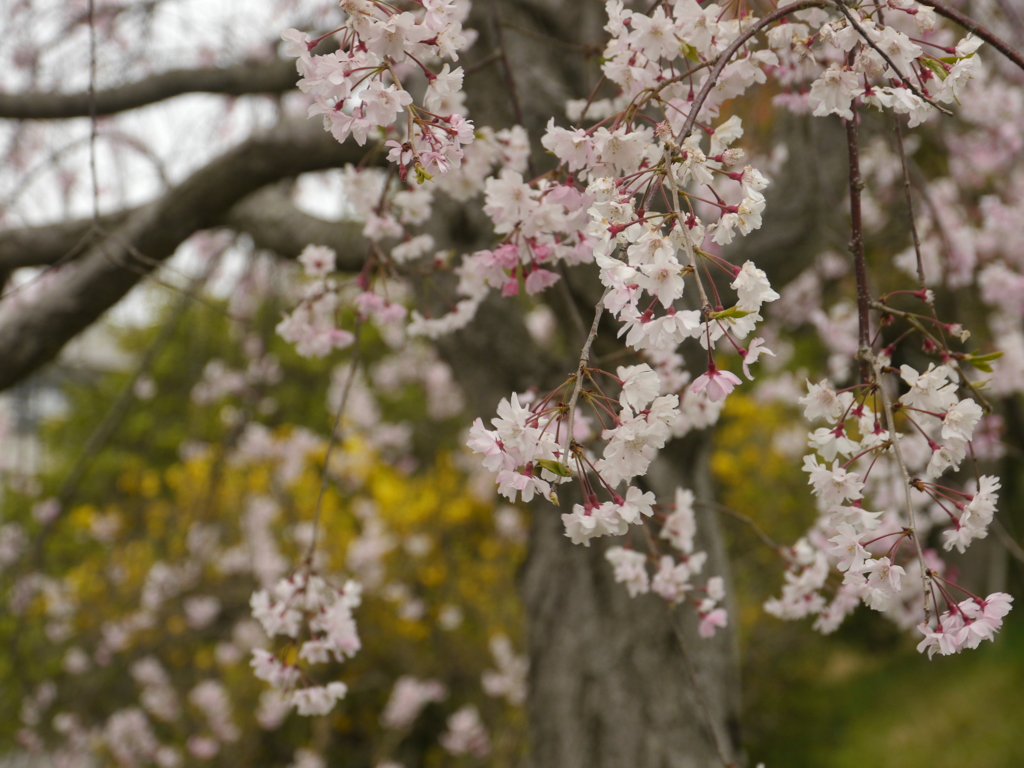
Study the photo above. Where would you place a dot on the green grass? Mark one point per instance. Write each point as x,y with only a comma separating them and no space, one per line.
900,710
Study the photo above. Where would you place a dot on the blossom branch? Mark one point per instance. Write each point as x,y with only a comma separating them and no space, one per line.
739,42
915,321
903,78
974,27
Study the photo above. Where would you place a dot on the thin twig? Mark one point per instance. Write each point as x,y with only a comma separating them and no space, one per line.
584,358
104,431
764,537
151,274
1008,541
890,423
325,475
510,81
570,300
92,113
478,65
705,305
67,258
545,38
910,211
698,693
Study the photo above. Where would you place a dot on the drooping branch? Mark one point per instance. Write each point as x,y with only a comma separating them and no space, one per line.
35,333
270,77
125,397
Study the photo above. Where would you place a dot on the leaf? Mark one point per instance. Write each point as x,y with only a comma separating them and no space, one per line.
689,52
934,66
981,362
421,174
554,467
731,312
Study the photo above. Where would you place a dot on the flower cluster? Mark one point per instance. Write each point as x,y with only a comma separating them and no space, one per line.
317,620
966,624
359,88
649,192
883,53
856,460
526,450
674,574
312,326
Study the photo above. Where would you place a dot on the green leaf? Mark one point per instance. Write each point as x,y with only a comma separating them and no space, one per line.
689,52
934,66
731,312
986,358
421,174
981,362
554,467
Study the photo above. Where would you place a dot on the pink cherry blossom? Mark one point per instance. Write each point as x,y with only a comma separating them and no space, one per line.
716,384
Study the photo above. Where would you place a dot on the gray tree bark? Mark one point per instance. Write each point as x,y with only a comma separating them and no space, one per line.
610,686
620,681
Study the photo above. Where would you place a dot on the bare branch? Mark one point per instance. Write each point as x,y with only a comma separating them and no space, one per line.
48,244
857,247
35,334
270,77
268,216
276,224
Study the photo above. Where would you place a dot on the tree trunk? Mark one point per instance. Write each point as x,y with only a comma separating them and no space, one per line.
610,685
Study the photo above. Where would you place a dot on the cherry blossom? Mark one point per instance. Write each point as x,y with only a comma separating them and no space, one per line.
715,383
